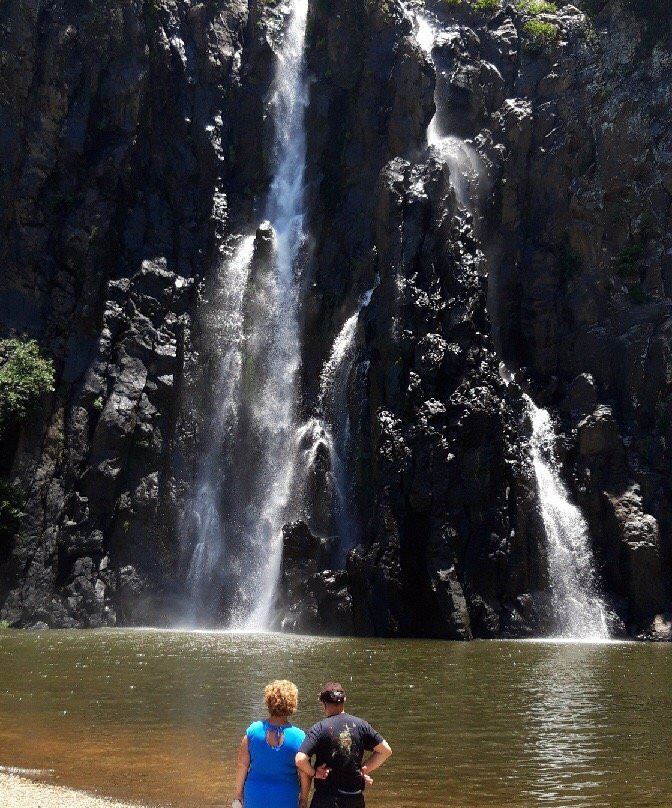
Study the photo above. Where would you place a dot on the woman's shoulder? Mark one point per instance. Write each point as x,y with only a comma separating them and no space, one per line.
296,734
255,728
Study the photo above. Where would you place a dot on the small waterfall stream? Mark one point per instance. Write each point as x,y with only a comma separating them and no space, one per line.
329,432
334,405
462,160
579,611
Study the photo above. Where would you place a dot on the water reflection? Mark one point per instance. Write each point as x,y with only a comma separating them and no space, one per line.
567,721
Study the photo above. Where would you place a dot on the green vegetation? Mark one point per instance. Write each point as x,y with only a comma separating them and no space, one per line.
98,404
539,35
25,375
486,6
637,294
4,624
629,260
535,7
451,3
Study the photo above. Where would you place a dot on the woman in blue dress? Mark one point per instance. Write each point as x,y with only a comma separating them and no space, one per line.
266,775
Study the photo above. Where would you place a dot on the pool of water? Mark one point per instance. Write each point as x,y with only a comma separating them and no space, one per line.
157,716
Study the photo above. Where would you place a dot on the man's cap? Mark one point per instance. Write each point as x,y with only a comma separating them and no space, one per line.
332,693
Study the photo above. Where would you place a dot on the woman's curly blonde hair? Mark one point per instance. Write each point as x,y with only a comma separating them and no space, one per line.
281,697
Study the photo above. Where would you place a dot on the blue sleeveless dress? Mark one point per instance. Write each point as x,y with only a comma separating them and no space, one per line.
272,781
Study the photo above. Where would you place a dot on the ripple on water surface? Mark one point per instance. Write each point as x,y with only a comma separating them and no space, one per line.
157,715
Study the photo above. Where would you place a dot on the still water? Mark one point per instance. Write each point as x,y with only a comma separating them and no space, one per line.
157,716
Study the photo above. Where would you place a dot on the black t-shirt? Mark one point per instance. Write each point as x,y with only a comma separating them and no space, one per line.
340,741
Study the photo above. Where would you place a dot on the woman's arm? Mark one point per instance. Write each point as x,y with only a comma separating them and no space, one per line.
306,782
242,767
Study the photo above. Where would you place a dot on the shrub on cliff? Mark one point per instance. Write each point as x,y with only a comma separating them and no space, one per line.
25,375
539,34
535,7
486,6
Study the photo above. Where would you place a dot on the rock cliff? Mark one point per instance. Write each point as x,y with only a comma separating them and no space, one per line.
136,139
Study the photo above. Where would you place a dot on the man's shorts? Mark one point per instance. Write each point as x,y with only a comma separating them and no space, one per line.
331,801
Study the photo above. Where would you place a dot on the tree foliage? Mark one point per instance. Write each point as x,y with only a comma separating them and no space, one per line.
25,375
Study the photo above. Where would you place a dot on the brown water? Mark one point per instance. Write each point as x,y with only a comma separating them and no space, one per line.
157,716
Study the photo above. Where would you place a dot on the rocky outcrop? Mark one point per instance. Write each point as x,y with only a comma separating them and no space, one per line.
136,141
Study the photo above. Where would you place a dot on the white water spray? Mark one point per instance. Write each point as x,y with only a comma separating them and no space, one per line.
243,492
328,432
224,326
273,411
462,159
334,405
579,611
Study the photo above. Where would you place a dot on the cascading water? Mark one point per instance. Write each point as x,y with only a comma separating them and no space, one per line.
204,517
333,404
273,408
462,160
245,485
580,612
327,434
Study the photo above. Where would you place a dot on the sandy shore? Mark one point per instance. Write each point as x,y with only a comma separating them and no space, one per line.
18,792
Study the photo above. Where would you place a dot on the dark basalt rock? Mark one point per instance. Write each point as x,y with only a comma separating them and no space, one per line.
135,143
312,600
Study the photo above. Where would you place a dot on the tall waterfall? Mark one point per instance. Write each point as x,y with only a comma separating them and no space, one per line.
240,505
579,610
273,406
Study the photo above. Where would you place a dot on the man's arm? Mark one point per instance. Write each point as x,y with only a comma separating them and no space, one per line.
381,753
302,762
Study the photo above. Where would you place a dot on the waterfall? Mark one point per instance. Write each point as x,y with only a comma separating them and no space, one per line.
223,324
334,406
243,490
323,485
273,407
580,612
463,162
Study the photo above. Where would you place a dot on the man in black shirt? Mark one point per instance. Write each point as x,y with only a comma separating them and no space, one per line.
338,743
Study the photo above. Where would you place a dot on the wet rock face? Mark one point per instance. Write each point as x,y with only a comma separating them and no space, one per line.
115,125
135,141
